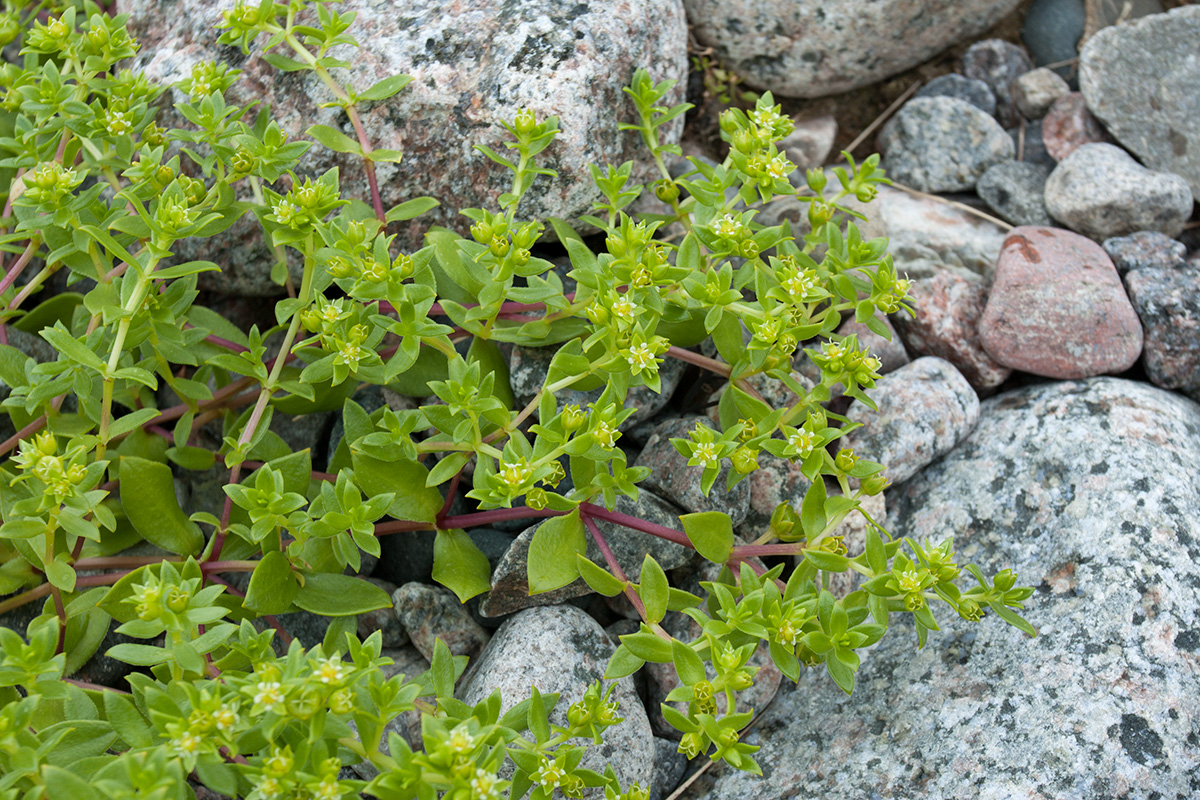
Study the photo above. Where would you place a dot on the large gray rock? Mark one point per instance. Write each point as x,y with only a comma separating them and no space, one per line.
810,48
1100,191
432,613
1091,491
941,144
562,649
1145,249
973,90
925,409
1140,79
474,65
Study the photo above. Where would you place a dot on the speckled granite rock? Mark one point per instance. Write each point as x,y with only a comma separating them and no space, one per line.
1057,308
671,476
1140,79
1089,490
998,63
809,144
946,325
1030,145
1167,302
1145,249
430,613
562,649
808,48
890,352
973,90
474,65
510,579
1036,90
925,409
527,374
1100,191
940,144
669,766
1068,125
1015,190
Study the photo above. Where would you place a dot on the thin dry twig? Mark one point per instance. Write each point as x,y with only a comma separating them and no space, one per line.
956,204
1021,141
882,118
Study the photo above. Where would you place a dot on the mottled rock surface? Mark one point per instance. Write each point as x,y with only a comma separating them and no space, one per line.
1036,90
1057,308
1089,490
430,613
808,48
941,144
1140,79
1051,30
383,620
1015,190
1069,125
946,325
925,409
510,577
671,476
973,90
1145,249
1167,302
1100,191
998,63
474,65
562,649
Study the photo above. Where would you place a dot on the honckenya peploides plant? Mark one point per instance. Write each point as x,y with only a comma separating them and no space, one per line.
143,376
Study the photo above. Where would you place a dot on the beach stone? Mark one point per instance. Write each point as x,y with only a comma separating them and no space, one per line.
473,66
562,649
972,90
670,476
1068,125
669,766
1057,308
1015,190
1167,301
809,144
510,577
1101,192
942,144
946,324
998,63
528,367
1036,90
925,409
1051,31
430,613
1145,249
1140,80
808,48
383,620
1104,702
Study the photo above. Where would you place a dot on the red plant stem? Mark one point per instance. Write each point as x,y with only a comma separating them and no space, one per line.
16,269
450,495
43,589
613,564
497,515
661,531
352,113
227,566
93,687
704,362
742,552
123,562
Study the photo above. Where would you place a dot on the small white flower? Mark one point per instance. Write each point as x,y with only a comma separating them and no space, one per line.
704,454
778,167
484,785
225,718
729,226
186,745
330,671
550,774
605,434
514,475
799,285
461,741
625,308
269,695
328,789
640,357
802,442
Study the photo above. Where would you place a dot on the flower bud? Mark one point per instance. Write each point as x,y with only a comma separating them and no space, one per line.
667,191
482,232
728,121
865,194
526,236
524,122
1004,580
573,418
744,460
10,28
178,599
750,249
816,179
969,610
536,498
403,266
783,520
520,256
845,460
499,246
875,484
745,141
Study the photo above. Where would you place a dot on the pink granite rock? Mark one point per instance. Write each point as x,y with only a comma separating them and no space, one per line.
1058,309
948,307
1068,124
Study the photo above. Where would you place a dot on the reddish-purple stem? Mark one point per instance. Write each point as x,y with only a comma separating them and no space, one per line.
661,531
613,564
